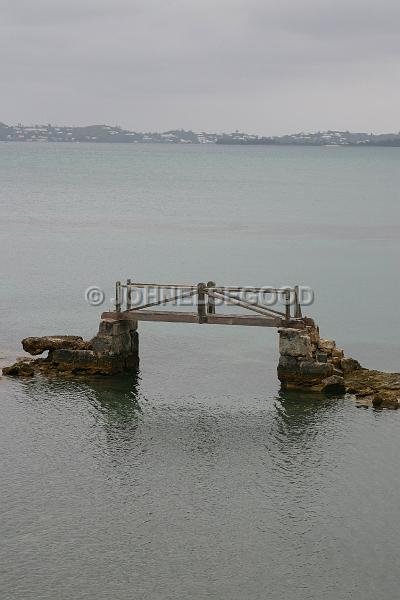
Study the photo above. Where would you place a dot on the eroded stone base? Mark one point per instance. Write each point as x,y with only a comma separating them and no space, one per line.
307,361
113,350
310,363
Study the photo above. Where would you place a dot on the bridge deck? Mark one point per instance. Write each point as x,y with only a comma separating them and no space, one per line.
191,317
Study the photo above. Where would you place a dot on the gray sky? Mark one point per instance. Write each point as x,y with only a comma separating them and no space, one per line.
264,66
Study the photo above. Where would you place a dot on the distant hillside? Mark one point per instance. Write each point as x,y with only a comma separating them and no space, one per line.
321,138
115,134
98,134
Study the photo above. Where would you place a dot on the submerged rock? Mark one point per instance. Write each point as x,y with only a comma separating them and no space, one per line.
374,388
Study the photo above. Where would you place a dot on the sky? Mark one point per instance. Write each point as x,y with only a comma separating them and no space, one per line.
262,66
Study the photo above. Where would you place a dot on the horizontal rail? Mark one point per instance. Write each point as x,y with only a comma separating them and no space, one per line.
190,317
176,286
247,288
228,288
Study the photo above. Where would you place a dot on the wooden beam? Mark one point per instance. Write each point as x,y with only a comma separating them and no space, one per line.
174,286
167,316
211,300
247,320
201,302
189,317
287,300
297,312
128,294
248,288
118,296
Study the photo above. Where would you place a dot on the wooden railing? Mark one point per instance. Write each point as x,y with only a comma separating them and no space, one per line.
208,295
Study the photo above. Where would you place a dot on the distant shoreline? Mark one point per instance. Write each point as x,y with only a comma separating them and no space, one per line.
107,134
234,144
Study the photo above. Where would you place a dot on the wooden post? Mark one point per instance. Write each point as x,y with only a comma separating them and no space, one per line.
118,296
128,294
287,302
297,313
201,302
211,300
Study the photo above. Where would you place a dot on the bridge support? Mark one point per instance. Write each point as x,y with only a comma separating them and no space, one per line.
114,349
308,362
118,340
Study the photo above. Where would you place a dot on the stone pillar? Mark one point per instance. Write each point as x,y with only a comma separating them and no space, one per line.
119,341
308,362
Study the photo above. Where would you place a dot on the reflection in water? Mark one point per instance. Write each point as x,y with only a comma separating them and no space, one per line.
304,426
115,409
110,403
116,398
298,410
150,488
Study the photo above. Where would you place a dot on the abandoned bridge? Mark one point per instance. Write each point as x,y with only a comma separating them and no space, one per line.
205,298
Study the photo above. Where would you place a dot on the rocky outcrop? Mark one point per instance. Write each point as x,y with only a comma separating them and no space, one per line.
22,368
374,388
113,350
310,363
38,345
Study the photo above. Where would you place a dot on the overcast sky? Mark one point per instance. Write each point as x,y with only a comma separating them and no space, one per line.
263,66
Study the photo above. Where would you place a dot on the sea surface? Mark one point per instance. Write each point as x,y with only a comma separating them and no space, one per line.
197,478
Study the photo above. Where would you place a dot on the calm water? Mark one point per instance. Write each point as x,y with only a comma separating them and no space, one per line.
198,479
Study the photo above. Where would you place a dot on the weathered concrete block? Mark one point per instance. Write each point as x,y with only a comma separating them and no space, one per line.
313,333
288,364
316,370
336,361
321,357
116,337
327,346
295,342
67,356
337,353
301,372
349,364
334,385
88,361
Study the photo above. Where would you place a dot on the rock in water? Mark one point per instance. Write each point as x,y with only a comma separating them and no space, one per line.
310,363
38,345
385,401
334,385
113,350
22,368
